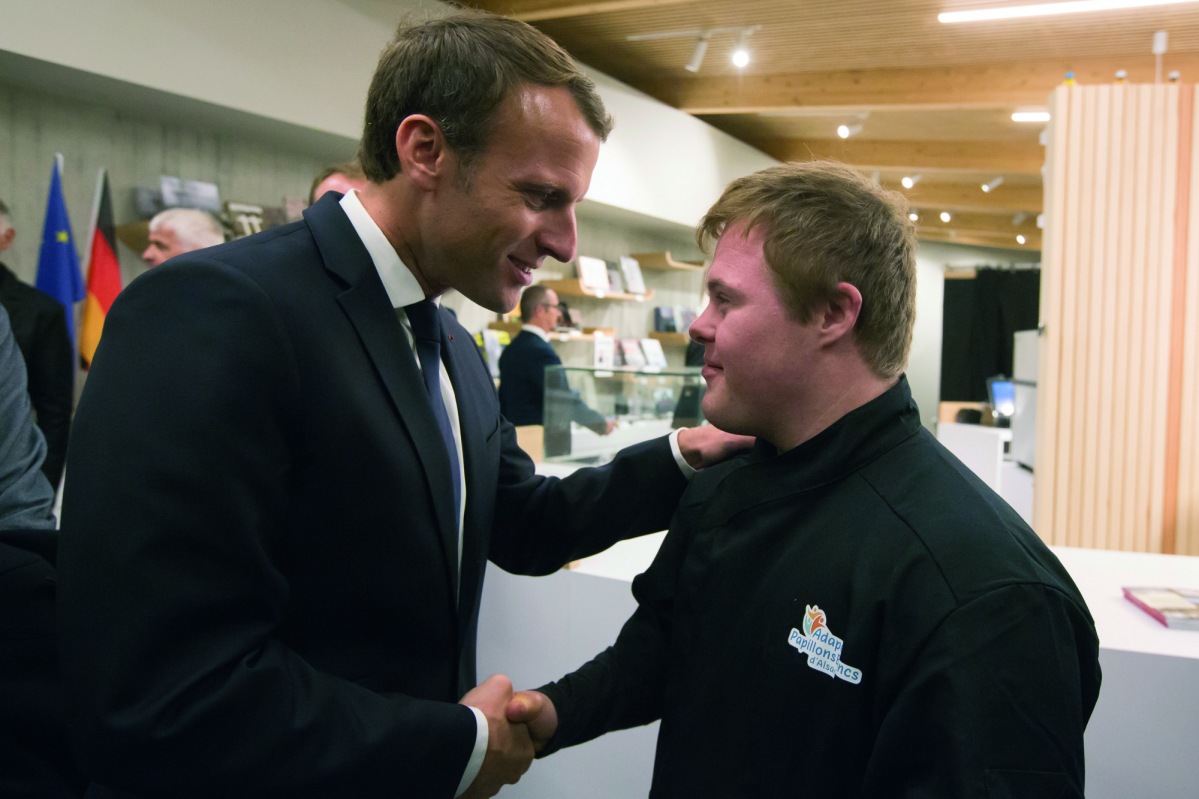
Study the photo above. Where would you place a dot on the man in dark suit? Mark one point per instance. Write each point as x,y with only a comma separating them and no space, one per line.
523,364
282,497
39,323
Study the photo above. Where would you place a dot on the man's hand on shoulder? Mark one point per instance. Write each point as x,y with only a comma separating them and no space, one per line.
707,445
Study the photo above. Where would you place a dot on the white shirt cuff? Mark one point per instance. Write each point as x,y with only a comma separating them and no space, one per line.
476,758
684,467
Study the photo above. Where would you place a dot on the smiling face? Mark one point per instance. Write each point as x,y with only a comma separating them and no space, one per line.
757,356
490,225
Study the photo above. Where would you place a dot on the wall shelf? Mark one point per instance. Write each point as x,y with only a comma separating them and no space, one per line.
588,334
670,339
664,262
572,287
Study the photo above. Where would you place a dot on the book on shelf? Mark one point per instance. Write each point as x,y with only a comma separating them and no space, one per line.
684,318
655,356
664,319
1176,608
630,352
615,282
631,269
593,273
605,351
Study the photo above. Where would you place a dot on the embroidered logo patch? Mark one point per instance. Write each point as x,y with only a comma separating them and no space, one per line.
822,647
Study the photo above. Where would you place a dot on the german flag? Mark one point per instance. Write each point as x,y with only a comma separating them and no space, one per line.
103,274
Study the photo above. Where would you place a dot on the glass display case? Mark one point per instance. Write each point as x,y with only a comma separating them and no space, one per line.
643,404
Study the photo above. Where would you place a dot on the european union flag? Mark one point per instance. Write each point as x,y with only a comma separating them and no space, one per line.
58,263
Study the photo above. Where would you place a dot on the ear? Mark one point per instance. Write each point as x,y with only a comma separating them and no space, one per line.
422,150
841,314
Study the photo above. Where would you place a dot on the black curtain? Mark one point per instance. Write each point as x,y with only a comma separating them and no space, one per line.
980,317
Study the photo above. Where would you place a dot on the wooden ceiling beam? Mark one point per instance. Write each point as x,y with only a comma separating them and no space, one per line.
979,238
984,85
541,10
986,158
968,197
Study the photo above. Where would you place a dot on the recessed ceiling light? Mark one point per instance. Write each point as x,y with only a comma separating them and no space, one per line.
1030,116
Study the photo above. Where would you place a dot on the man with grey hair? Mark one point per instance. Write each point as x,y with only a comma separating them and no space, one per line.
39,325
292,467
179,230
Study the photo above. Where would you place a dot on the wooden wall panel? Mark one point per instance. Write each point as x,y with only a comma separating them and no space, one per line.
1117,454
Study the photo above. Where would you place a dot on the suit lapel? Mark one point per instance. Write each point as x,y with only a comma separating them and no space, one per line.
365,304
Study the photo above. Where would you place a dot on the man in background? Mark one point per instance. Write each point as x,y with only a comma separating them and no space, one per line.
179,230
289,466
524,361
849,611
39,325
339,178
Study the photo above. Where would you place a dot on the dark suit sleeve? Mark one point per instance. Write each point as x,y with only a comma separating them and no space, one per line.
175,526
52,385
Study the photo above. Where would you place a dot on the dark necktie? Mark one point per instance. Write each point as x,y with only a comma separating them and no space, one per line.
426,331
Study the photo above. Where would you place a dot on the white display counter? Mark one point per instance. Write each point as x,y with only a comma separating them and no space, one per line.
1140,742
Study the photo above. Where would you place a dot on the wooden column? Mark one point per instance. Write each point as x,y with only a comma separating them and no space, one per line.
1117,395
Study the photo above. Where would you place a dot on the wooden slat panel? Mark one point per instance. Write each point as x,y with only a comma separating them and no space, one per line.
1117,446
1187,530
1046,491
1113,346
1134,513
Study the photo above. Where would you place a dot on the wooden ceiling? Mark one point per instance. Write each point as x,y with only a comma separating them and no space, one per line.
931,98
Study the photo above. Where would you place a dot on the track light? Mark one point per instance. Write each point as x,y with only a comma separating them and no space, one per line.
945,217
911,180
702,38
993,185
845,131
697,57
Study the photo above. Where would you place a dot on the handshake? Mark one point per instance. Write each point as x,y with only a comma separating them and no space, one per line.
518,726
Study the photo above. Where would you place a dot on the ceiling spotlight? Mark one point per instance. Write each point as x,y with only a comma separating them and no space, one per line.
1030,116
945,217
993,185
701,49
741,51
911,180
1020,239
913,217
845,131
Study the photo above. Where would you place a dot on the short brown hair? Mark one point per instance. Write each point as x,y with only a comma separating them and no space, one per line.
822,223
457,70
351,169
534,295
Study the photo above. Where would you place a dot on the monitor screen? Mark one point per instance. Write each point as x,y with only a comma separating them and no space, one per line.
1003,396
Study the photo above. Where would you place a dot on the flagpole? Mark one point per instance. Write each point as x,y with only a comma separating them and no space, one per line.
91,231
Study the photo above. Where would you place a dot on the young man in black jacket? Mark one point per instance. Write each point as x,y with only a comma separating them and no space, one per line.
848,611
